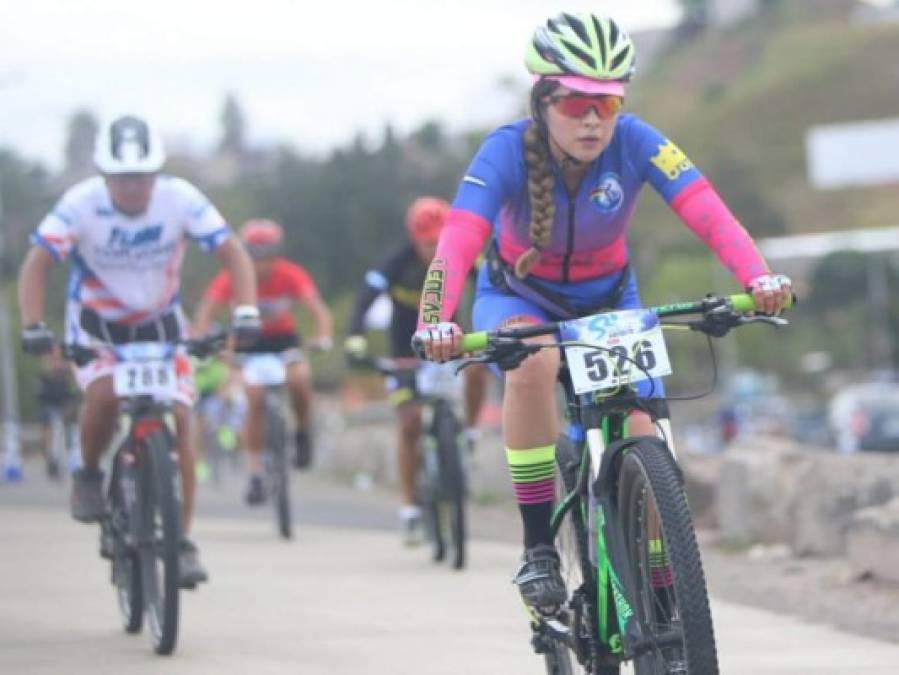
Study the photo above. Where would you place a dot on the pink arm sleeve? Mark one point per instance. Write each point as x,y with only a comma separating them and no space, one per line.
461,241
706,214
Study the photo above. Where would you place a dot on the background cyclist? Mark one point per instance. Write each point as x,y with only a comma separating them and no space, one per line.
56,395
401,275
125,233
281,285
556,192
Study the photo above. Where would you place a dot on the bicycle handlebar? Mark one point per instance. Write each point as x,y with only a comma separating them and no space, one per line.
720,314
201,347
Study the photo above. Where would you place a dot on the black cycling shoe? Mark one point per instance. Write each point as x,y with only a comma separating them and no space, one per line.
190,568
87,502
539,579
255,491
302,459
53,471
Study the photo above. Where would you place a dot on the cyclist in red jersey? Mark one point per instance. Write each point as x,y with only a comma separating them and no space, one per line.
282,284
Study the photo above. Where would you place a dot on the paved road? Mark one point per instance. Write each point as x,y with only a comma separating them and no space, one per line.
336,600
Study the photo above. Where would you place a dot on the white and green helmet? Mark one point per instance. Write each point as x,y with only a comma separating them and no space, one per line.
584,45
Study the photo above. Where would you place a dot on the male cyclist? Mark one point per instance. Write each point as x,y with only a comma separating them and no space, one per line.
281,284
402,276
125,232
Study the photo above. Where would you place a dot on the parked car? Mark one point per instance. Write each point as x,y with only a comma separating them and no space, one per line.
866,417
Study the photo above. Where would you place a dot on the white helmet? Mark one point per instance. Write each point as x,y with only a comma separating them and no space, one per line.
128,144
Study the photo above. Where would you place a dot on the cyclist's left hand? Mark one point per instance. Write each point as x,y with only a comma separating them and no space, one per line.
246,325
771,292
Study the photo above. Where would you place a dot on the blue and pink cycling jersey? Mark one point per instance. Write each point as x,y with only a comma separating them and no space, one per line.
588,247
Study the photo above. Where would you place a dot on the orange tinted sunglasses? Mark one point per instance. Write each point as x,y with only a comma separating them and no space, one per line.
578,105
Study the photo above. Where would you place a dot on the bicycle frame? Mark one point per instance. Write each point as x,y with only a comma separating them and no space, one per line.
596,430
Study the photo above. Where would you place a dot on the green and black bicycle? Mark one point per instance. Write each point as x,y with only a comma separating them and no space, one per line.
637,592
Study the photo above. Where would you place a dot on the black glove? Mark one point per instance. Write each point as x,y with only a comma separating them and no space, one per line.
245,325
37,339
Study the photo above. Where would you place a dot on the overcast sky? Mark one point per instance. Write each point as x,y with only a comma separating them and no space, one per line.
309,72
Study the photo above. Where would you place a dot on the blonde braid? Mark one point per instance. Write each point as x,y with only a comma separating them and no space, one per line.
540,196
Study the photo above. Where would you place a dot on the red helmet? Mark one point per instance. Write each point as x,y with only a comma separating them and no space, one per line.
425,219
262,237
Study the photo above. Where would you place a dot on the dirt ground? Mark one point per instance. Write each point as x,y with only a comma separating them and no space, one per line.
819,590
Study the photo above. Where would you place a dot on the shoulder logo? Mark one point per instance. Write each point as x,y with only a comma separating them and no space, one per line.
671,161
608,194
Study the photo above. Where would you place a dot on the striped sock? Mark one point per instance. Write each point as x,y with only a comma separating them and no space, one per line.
660,568
533,478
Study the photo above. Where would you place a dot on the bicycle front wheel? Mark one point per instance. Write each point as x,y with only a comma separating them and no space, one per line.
276,442
669,589
160,540
452,481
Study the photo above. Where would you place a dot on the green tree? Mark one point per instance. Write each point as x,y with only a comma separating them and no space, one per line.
234,126
81,132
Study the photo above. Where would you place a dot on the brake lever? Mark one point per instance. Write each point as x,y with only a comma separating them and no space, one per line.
506,353
775,321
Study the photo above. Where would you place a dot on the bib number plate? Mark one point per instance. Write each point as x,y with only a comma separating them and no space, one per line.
629,347
147,378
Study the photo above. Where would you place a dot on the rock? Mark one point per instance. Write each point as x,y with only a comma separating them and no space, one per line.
755,486
832,489
873,542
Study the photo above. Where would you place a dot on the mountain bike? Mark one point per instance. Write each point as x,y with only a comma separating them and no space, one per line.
441,481
270,372
623,529
141,531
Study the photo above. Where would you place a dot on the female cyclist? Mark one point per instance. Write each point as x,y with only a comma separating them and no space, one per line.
557,192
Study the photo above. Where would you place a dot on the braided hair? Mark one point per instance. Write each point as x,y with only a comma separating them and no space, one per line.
540,180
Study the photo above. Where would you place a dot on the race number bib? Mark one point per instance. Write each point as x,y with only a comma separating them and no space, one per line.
630,348
145,378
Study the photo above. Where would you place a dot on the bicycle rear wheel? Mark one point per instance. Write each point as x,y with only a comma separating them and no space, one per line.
160,539
669,592
452,481
276,443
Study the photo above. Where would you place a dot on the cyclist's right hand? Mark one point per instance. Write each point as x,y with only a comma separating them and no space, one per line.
245,325
438,342
37,339
355,347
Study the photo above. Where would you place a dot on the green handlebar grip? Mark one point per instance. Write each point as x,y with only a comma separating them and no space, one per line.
743,302
474,342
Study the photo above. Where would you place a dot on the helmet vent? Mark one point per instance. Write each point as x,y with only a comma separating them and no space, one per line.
582,55
578,27
613,33
130,135
621,58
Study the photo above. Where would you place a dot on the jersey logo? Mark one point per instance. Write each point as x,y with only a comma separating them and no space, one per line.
121,238
671,161
474,181
608,194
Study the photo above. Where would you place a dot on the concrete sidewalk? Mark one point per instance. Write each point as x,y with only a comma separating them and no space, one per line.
334,601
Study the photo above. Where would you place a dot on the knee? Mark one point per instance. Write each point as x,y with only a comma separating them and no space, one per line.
410,422
537,371
255,401
100,400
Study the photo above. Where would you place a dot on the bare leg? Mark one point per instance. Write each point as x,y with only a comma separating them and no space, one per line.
254,428
187,463
99,416
299,384
475,392
409,433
